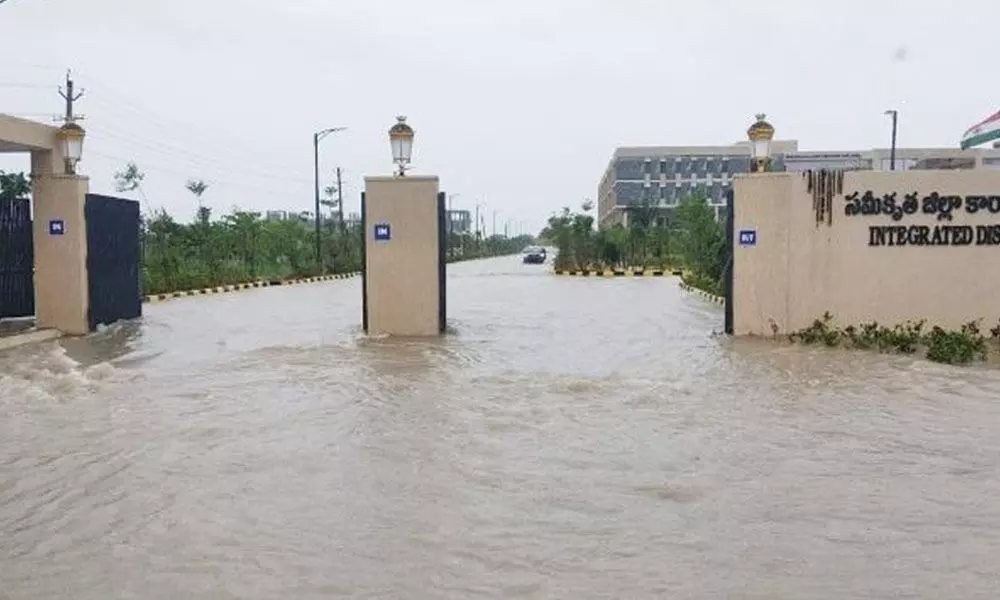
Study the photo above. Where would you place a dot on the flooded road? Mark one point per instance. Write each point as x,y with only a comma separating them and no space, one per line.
574,438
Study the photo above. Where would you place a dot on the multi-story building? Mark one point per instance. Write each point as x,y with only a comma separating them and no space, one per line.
352,220
306,216
880,159
661,177
276,215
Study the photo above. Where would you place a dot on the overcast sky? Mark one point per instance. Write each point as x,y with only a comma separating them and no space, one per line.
517,104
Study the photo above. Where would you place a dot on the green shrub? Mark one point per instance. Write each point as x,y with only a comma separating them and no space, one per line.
949,347
703,283
957,347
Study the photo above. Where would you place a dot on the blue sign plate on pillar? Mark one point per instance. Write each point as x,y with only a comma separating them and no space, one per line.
57,227
748,237
383,233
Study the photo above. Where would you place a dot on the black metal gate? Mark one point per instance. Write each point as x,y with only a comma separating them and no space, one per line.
728,275
443,220
17,259
113,259
364,265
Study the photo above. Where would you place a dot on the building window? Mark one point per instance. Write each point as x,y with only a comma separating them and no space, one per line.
716,195
627,169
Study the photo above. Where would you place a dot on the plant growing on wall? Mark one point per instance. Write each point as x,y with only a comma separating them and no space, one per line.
963,346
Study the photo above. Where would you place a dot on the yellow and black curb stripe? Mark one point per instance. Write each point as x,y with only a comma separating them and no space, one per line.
615,273
224,289
703,294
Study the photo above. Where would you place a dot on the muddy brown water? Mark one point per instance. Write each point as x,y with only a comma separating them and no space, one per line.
573,438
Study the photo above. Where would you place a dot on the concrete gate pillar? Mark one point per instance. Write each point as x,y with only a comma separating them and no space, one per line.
62,292
403,285
59,227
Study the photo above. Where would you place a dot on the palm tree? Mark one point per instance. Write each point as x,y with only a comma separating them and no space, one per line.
14,185
129,179
198,187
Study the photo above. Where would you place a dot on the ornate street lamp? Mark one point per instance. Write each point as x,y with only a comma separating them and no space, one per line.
760,133
401,138
70,137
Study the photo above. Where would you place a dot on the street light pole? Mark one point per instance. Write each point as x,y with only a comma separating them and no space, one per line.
892,149
340,203
319,244
317,137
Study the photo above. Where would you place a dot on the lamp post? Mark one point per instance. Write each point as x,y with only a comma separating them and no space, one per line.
760,133
478,206
401,138
70,137
317,137
892,149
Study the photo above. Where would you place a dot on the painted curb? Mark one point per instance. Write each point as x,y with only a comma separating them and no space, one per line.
613,273
34,336
236,287
710,297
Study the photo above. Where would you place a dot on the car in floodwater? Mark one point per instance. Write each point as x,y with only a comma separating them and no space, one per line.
534,255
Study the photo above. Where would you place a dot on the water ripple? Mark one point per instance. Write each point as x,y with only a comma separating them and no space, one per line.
570,439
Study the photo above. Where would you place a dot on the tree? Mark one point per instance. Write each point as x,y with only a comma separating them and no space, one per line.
240,246
14,185
198,188
246,228
558,232
692,238
331,202
701,237
641,221
330,192
611,245
129,179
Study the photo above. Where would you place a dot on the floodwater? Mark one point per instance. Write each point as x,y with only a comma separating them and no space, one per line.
574,438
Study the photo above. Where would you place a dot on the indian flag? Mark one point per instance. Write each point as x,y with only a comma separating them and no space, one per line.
982,132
